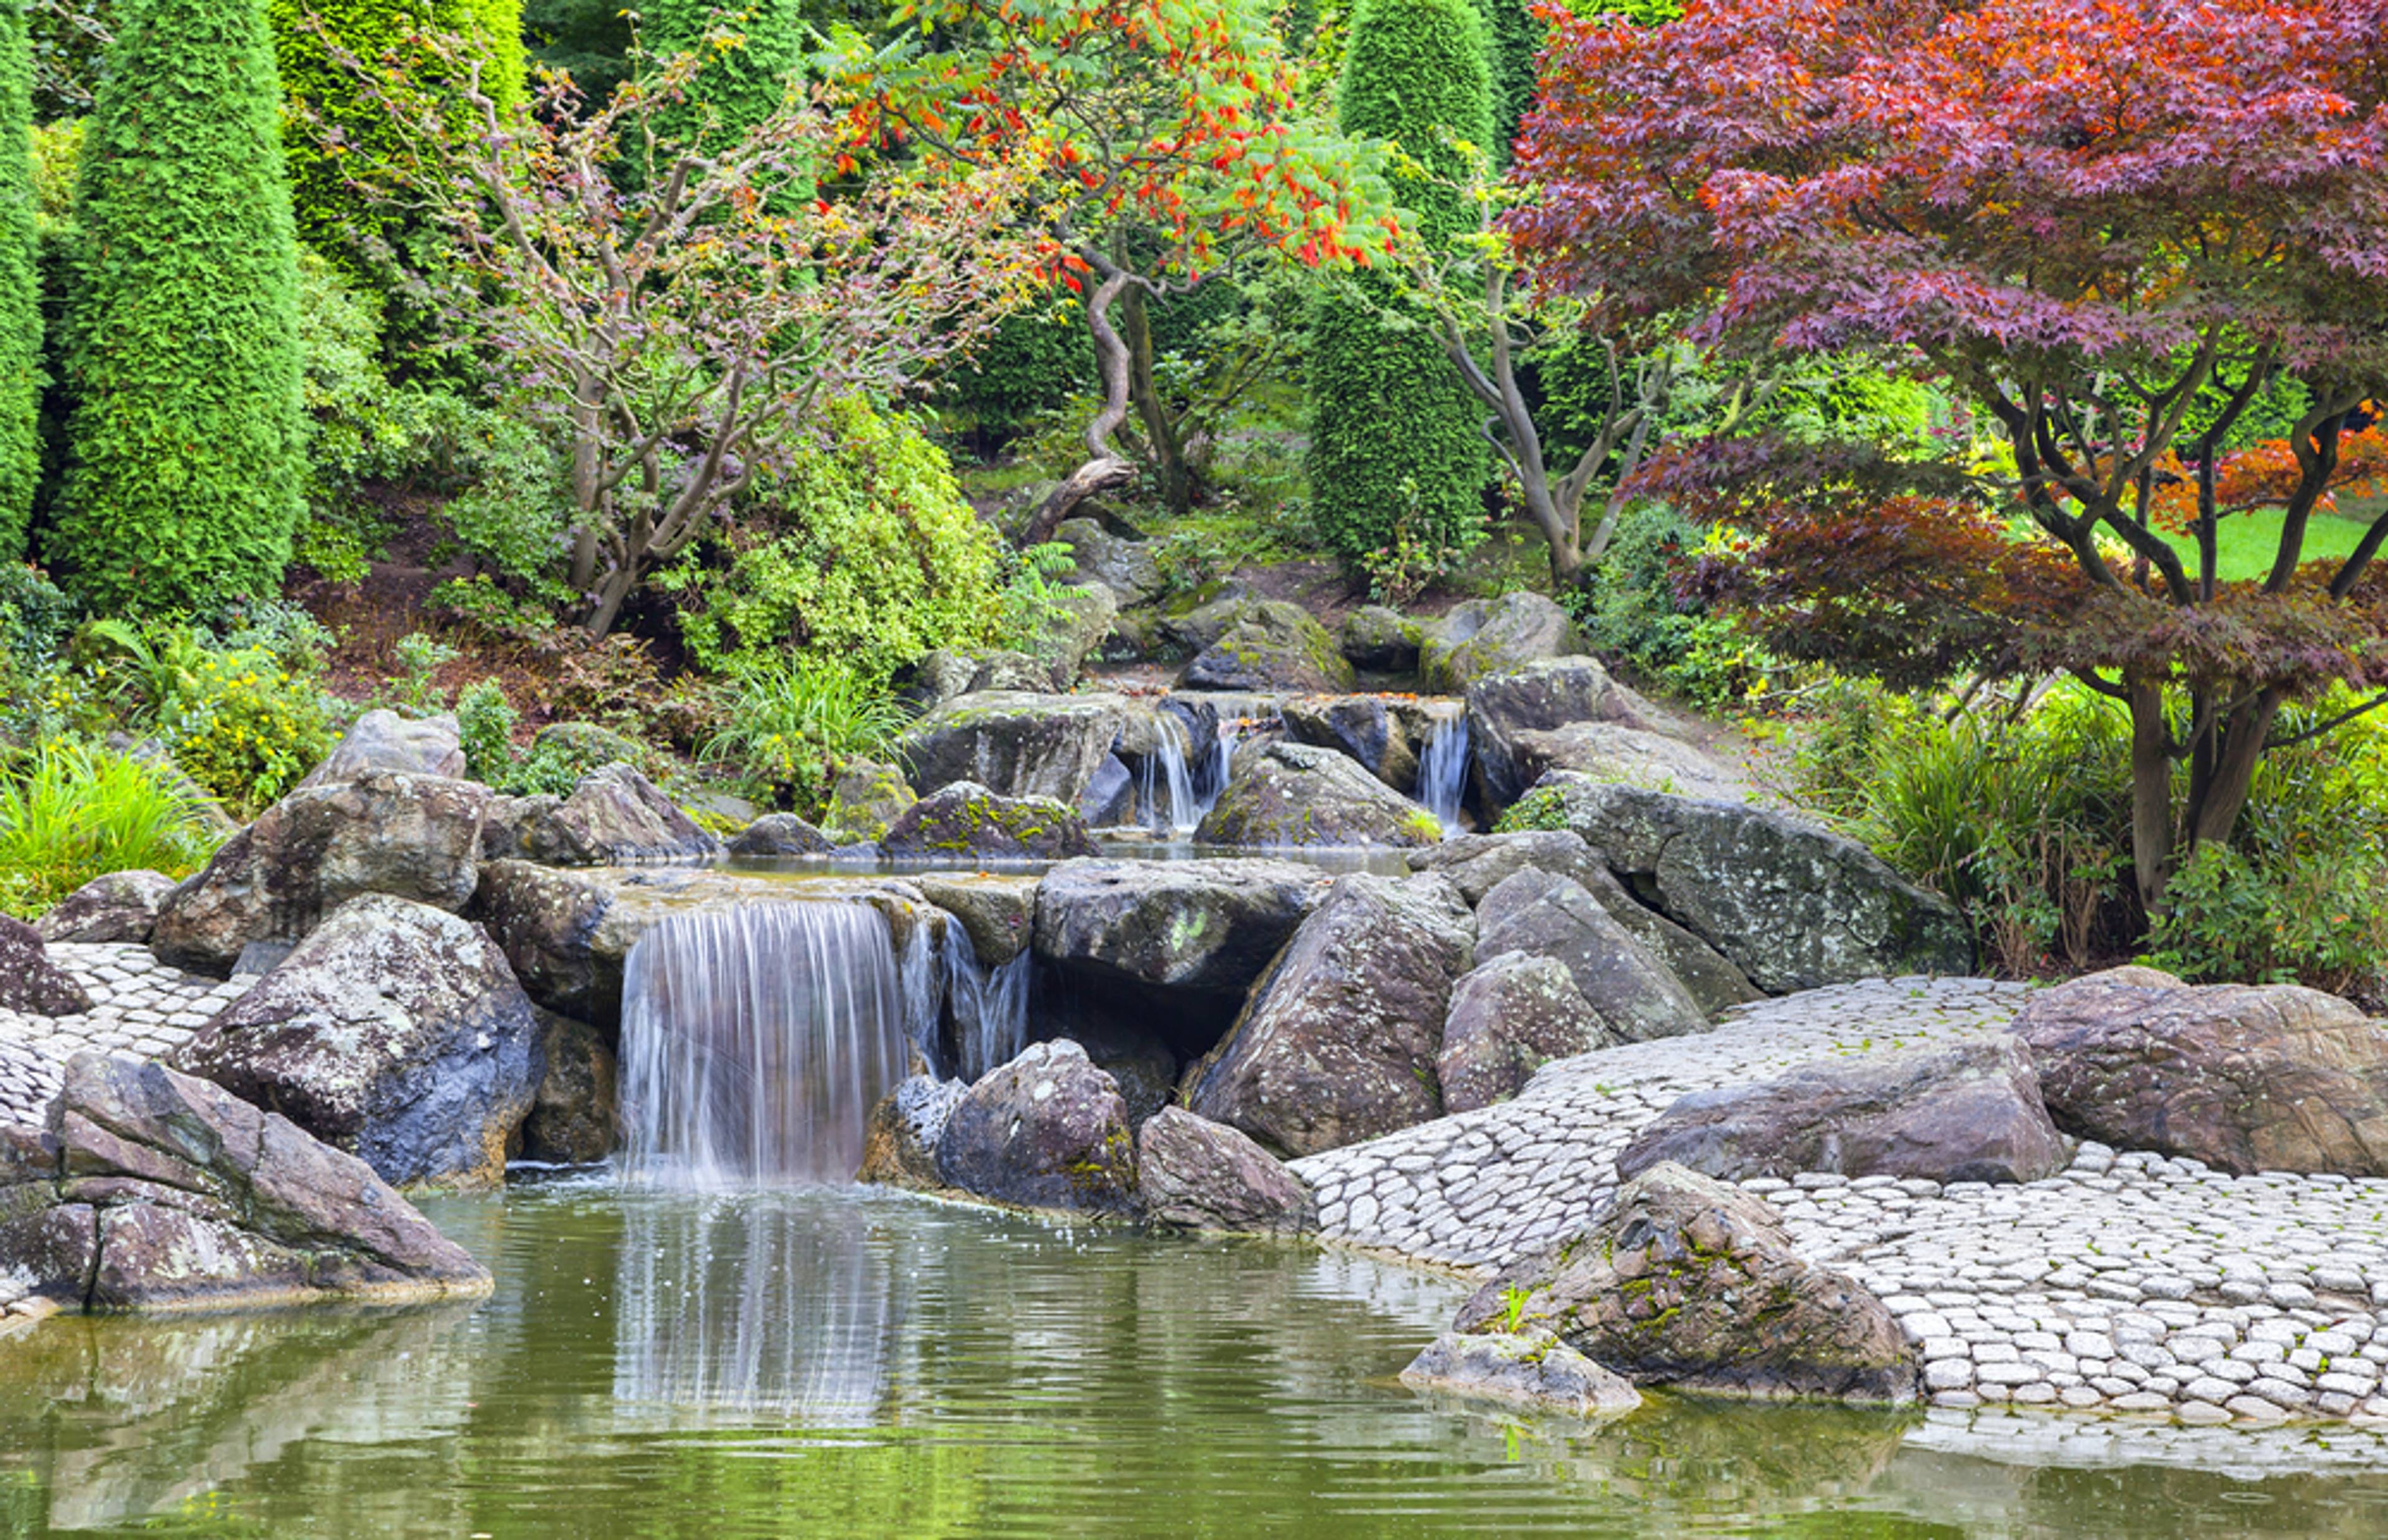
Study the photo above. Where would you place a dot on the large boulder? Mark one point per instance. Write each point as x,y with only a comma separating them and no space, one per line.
1046,1130
1690,1282
2244,1078
157,1190
1636,996
120,906
1195,621
1380,640
1538,697
865,797
1631,756
1271,646
965,819
29,982
1016,743
1386,734
1288,794
1078,616
899,1143
1971,1113
1509,1017
1492,636
413,837
1127,567
1525,1368
616,815
1340,1039
1206,927
385,740
946,675
1201,1175
397,1032
1793,905
778,837
997,912
574,1117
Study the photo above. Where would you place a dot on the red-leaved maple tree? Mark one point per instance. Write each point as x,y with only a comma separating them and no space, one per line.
2109,228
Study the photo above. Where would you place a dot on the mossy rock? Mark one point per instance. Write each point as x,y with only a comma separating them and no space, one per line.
1274,645
865,798
967,819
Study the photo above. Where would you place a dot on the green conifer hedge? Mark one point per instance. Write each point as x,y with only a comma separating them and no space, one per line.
20,295
739,88
187,442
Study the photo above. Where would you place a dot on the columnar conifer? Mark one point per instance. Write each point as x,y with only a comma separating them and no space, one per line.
20,308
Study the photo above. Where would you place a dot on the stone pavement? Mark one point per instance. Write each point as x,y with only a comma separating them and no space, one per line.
138,1005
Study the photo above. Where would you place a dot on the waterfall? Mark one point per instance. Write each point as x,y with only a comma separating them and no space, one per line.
1186,809
919,977
990,1005
1212,778
755,1041
1442,771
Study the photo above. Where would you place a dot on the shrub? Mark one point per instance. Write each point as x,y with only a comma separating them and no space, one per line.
70,814
35,616
241,715
20,299
750,78
186,471
485,728
1513,35
359,427
862,551
793,721
1394,436
1035,363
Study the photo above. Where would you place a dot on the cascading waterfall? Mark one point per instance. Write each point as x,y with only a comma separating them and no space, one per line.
990,1005
1186,809
1442,772
1212,778
755,1041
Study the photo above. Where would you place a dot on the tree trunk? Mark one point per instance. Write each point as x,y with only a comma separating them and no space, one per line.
1104,467
610,597
1169,461
2151,796
2234,779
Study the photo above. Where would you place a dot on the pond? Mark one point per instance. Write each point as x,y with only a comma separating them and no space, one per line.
842,1362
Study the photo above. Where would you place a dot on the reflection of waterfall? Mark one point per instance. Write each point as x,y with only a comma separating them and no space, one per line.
990,1005
786,1306
754,1042
1442,771
1168,768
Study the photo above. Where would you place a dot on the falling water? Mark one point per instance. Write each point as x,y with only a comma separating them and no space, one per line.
1212,777
1442,771
755,1041
918,974
1186,809
990,1005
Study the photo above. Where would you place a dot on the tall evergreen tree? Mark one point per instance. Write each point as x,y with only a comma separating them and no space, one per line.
1513,36
740,87
1394,440
187,439
323,92
21,297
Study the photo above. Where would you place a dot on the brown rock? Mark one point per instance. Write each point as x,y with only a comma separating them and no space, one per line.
1510,1016
28,980
121,906
575,1116
1201,1175
1544,914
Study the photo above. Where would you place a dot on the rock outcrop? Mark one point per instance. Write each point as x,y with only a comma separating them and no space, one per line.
1201,1175
1541,696
615,817
412,837
155,1189
29,982
1688,1282
1271,645
384,740
1290,794
1636,996
780,836
396,1032
1510,1015
899,1143
963,819
1525,1368
1017,743
2243,1077
575,1116
1794,906
1046,1130
1204,927
997,911
1340,1039
864,799
120,906
1127,567
1492,636
1971,1113
1385,734
1380,640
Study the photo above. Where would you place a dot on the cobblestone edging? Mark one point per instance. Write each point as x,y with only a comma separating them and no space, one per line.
138,1005
2128,1282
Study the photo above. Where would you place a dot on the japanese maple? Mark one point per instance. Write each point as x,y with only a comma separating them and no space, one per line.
2107,230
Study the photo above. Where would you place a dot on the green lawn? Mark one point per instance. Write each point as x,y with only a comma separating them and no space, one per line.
2249,541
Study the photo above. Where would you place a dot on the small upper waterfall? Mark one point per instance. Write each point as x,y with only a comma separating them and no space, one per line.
1442,771
1169,770
755,1041
990,1005
1211,777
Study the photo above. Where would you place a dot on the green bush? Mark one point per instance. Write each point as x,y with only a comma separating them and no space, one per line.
1033,362
1396,457
36,616
743,83
326,101
793,723
70,814
1513,35
862,550
188,435
20,299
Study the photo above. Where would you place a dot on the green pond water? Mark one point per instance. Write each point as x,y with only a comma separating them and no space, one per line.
845,1363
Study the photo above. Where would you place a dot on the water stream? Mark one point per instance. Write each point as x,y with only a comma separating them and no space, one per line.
990,1005
1442,772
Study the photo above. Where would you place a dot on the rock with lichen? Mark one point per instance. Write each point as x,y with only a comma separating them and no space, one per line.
965,818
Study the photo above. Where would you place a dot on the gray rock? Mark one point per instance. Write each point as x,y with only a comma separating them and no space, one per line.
1971,1113
1081,617
615,817
1553,693
1046,1130
385,740
1136,1058
864,799
946,676
1381,640
397,1032
1530,1369
29,982
1016,744
1384,734
121,906
1340,1039
1127,567
1492,636
1613,752
1201,1175
899,1143
1197,621
412,837
575,1116
2244,1078
1290,794
1509,1017
1688,1282
1208,926
1109,801
564,934
998,912
1271,646
1793,905
1544,914
164,1191
963,819
779,835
